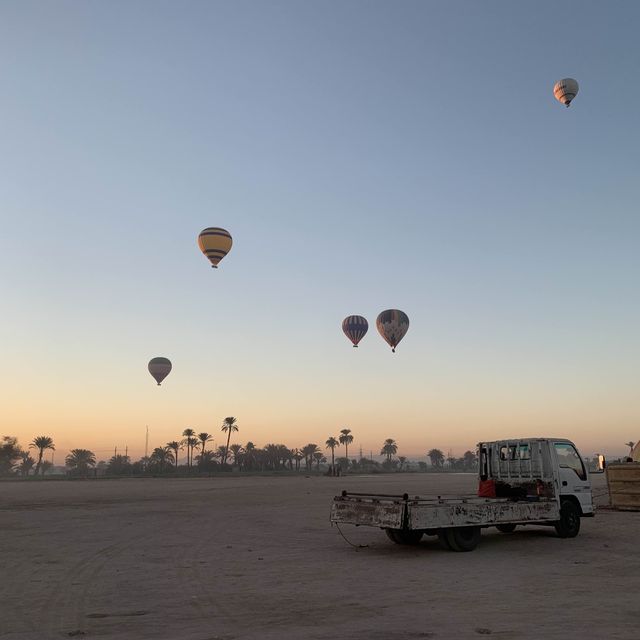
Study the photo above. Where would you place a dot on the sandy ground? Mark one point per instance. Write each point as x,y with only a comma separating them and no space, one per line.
256,557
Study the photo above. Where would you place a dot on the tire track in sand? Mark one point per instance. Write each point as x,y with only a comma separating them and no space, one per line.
64,612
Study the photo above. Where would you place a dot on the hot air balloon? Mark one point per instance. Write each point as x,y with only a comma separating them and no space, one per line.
159,368
355,328
215,243
565,90
392,324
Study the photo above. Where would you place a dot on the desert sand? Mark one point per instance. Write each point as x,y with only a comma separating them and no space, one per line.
256,557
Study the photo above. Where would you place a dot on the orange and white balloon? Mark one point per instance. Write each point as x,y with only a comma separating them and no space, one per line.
565,90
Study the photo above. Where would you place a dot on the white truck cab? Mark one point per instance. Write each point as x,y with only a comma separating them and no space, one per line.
573,476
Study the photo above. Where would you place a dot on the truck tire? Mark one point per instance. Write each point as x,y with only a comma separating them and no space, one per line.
569,524
463,538
507,527
404,536
442,540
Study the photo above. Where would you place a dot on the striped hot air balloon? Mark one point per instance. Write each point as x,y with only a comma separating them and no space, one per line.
159,368
565,90
215,243
355,328
392,325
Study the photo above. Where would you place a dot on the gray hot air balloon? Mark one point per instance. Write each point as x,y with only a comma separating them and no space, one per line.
565,90
159,368
392,325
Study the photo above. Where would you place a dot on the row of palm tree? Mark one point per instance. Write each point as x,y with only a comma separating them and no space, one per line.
250,457
271,456
78,461
192,441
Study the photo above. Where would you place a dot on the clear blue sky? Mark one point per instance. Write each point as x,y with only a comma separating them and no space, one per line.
364,156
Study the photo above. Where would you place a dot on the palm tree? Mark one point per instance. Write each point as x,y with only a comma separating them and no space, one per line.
27,463
297,456
470,460
402,460
204,438
332,443
80,461
308,452
207,460
346,439
10,453
119,465
175,446
41,443
229,424
318,457
189,440
237,451
160,458
437,458
220,452
389,448
249,455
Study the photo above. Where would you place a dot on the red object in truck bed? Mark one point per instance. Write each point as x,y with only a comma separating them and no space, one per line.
487,489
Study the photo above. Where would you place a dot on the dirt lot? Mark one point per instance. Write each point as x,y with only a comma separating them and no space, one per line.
256,558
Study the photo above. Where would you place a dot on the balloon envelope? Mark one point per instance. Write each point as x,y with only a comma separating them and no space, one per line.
565,90
392,325
355,328
159,368
215,243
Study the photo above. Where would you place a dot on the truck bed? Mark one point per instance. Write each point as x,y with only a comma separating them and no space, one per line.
438,512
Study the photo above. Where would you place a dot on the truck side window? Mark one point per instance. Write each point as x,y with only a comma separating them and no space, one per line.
506,453
568,458
524,452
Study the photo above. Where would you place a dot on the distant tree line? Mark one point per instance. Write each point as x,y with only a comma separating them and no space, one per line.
192,455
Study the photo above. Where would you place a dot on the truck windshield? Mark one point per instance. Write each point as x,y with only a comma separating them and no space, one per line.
568,458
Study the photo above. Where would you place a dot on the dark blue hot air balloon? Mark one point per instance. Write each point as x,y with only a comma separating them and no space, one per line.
355,328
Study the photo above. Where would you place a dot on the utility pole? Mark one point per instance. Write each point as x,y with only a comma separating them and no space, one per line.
126,451
146,443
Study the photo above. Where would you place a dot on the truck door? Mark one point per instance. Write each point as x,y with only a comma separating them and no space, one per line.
573,476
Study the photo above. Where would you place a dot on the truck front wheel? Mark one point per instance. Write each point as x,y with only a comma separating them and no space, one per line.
569,524
404,536
463,538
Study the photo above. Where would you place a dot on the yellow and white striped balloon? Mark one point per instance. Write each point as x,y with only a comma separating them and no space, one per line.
215,243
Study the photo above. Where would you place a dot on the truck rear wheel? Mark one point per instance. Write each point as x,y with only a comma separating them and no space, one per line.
463,538
442,540
507,527
404,536
569,524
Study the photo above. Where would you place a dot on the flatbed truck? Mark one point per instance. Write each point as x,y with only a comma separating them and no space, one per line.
524,481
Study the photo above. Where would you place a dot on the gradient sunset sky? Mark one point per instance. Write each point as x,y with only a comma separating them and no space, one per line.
364,155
